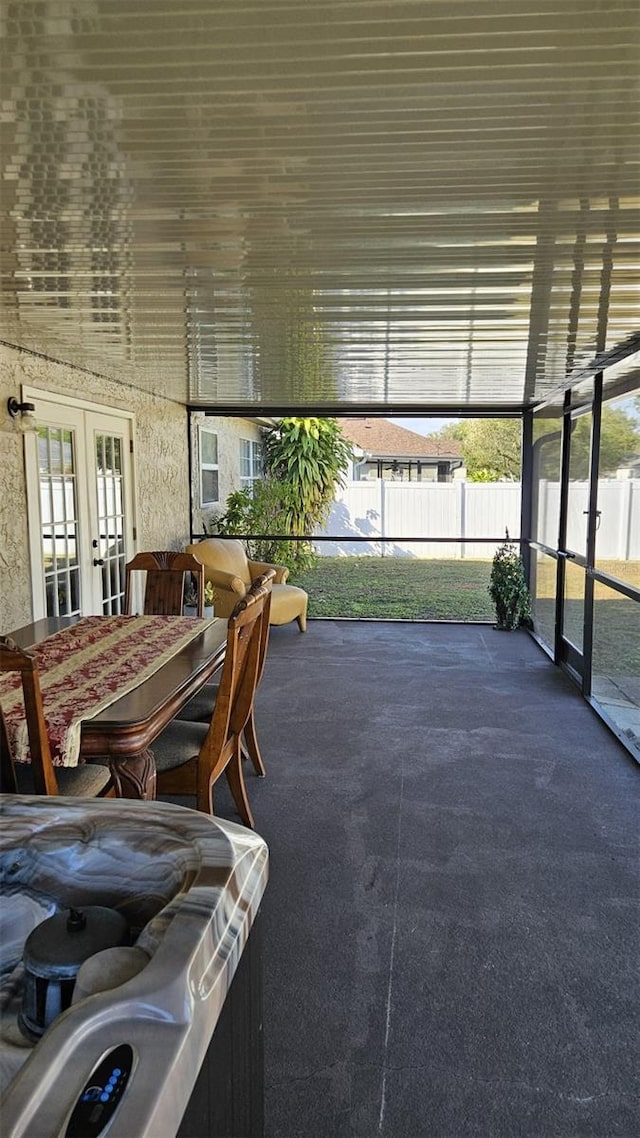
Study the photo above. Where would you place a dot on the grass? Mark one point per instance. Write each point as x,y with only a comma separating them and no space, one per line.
398,588
415,589
406,588
616,639
412,589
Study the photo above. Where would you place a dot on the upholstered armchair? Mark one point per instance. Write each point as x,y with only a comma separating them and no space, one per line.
231,572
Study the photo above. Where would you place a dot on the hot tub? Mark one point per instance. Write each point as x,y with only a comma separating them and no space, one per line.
190,887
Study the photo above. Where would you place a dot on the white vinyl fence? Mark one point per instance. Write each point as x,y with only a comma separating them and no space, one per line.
379,510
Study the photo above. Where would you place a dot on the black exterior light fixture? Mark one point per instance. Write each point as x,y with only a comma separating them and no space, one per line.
23,414
14,408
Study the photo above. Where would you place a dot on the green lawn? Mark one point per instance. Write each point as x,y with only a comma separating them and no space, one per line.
398,588
412,589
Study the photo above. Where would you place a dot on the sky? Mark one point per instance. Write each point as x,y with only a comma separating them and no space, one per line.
423,426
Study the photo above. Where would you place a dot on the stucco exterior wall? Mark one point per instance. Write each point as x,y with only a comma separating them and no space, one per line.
229,432
161,467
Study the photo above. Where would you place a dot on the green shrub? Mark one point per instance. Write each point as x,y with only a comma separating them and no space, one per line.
508,588
305,461
263,511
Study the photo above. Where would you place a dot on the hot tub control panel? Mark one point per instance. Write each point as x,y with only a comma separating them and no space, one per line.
101,1094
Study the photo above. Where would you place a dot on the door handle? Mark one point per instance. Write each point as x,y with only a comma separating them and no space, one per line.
598,514
98,561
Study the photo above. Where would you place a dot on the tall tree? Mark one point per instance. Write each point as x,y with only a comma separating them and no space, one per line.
491,448
619,440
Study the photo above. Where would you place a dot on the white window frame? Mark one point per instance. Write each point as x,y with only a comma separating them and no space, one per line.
247,481
203,429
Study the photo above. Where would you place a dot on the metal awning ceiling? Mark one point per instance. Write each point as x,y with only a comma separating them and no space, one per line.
290,203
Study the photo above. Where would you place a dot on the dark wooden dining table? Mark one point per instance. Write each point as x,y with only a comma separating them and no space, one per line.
124,731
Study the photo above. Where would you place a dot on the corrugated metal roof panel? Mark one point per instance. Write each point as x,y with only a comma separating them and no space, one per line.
287,204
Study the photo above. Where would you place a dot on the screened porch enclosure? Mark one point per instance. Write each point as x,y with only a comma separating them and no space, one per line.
423,550
226,212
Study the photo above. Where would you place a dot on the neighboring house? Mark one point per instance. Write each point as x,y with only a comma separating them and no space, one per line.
226,456
385,450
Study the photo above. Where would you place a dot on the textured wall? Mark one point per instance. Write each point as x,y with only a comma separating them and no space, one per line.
161,464
230,431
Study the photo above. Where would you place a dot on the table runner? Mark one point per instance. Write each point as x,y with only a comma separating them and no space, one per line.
88,666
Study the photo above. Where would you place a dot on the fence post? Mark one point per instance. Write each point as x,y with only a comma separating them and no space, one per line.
463,515
541,531
383,518
626,514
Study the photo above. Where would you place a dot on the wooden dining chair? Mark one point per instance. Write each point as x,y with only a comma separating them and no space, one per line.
40,776
190,757
200,708
164,585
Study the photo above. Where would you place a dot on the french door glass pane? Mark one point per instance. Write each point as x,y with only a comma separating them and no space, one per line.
59,521
110,486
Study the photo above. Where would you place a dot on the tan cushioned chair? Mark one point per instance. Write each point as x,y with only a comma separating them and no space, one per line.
231,572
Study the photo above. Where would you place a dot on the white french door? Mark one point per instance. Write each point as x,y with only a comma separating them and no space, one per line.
80,502
110,507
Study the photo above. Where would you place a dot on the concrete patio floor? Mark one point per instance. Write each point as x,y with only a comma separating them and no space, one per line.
451,925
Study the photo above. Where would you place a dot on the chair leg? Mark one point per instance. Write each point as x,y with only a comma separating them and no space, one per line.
252,746
204,799
235,778
302,621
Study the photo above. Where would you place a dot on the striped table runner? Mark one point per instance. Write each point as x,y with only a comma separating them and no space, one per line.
88,666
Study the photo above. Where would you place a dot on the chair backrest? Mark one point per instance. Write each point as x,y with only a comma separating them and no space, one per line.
227,554
164,585
15,659
264,581
237,686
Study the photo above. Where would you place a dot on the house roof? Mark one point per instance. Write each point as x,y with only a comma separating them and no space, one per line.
383,439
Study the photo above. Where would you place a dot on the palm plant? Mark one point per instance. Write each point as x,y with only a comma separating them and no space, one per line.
310,457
